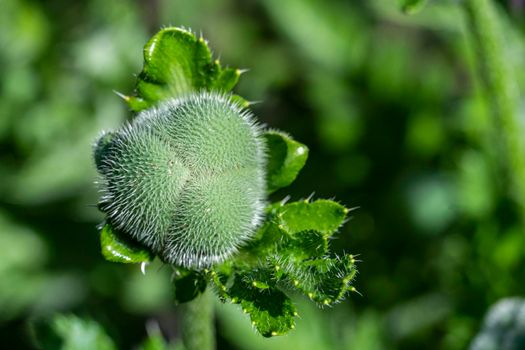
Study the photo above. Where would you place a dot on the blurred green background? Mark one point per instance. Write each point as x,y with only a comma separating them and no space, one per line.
389,104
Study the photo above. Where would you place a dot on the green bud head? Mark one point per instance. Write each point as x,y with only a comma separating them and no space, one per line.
185,178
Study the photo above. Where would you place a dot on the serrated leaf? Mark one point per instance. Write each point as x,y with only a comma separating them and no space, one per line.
259,278
266,240
322,215
118,248
300,229
271,311
325,281
176,63
286,158
219,281
188,285
307,244
302,245
226,79
411,7
69,332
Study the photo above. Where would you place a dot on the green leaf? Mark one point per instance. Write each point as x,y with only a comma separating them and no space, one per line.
325,281
226,79
271,311
240,101
298,229
307,244
69,332
286,158
176,63
118,248
266,240
411,7
322,215
219,280
274,240
188,284
291,249
260,278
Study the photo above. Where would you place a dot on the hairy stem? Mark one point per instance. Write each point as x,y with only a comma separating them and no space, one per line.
487,33
198,323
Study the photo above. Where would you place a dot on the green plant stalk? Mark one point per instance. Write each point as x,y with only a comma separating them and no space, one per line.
198,331
485,28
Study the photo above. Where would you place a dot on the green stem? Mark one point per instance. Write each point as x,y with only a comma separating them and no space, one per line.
485,27
198,331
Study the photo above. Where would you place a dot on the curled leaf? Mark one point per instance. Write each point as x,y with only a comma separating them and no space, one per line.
286,158
177,62
118,248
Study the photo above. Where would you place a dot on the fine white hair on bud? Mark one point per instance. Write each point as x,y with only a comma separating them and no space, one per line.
185,178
